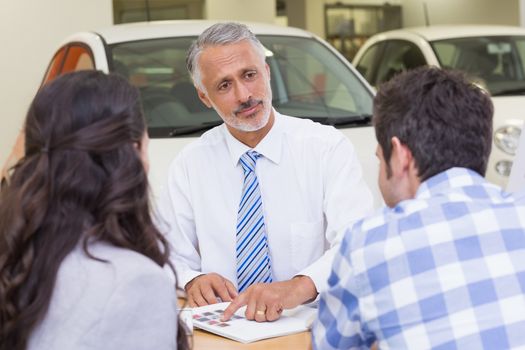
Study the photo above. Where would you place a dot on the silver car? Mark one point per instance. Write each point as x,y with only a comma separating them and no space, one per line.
493,56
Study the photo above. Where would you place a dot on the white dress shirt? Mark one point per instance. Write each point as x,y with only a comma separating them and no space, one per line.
311,186
127,303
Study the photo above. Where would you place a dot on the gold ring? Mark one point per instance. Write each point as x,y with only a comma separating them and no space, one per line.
260,312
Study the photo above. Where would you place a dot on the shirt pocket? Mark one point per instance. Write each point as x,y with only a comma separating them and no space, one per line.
307,243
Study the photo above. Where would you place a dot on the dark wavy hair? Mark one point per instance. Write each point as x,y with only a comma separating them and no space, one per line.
443,118
82,180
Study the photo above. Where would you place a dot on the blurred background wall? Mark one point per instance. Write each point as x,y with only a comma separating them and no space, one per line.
30,31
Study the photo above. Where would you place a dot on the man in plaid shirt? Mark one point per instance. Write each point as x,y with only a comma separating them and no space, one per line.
444,266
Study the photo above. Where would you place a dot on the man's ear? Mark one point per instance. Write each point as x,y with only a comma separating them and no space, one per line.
267,70
203,98
401,160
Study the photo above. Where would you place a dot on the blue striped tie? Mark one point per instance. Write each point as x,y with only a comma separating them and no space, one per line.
253,260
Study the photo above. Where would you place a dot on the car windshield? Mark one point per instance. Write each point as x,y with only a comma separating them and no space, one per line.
496,62
307,79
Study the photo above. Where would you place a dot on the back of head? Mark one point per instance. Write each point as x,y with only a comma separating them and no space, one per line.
226,33
84,111
81,133
445,120
81,180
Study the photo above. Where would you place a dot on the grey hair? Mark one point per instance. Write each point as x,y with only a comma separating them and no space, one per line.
217,35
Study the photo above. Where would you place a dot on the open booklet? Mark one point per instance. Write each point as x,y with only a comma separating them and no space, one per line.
242,330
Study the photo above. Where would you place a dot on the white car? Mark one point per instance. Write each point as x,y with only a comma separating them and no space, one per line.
309,79
494,57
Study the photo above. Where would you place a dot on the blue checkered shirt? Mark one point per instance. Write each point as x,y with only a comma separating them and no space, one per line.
445,270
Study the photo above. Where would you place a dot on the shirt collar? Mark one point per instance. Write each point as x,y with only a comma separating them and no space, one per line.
443,184
270,146
449,179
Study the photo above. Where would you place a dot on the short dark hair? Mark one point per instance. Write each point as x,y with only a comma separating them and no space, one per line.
443,118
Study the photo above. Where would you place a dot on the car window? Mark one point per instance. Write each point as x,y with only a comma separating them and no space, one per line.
399,55
496,62
308,80
446,53
158,68
366,65
520,46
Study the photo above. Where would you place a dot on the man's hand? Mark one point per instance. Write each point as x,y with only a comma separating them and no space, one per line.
205,289
266,301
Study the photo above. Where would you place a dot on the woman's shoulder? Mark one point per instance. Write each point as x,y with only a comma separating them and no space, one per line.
109,298
108,267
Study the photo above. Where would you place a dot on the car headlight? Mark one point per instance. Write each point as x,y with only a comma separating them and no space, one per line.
503,167
507,138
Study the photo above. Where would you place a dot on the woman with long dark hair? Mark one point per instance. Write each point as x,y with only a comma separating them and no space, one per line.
80,259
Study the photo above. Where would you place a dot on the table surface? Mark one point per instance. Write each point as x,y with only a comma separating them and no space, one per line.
203,340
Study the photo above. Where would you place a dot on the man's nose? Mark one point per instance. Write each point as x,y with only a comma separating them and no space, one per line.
242,92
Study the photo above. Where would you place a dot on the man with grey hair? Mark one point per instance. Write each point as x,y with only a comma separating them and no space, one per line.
256,206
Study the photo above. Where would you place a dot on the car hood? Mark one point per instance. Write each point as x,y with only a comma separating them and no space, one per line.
508,110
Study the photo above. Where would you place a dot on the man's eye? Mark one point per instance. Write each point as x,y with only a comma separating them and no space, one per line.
250,75
224,86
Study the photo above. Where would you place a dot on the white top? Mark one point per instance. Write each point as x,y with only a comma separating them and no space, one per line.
129,303
311,187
